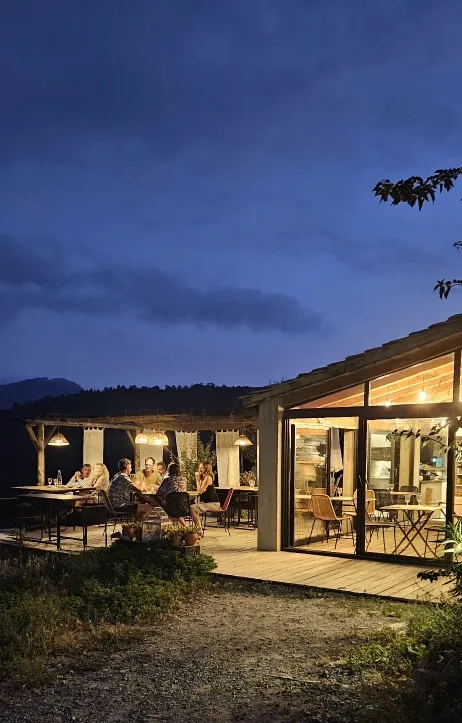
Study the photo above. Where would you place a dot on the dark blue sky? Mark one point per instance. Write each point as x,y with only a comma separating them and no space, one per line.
186,185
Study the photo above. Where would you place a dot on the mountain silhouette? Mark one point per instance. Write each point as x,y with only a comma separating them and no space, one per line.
30,390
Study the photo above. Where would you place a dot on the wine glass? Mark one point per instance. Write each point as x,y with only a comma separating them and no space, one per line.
407,497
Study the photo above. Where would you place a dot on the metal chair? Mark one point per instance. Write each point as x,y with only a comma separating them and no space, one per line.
224,513
323,511
127,513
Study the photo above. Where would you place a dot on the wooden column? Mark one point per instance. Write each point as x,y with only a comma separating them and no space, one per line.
38,440
349,460
136,448
269,468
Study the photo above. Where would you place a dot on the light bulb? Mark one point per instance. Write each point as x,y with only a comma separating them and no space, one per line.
422,395
387,403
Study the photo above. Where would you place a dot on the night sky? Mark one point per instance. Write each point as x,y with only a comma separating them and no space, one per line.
185,185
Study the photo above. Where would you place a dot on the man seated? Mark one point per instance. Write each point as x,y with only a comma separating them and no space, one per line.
81,479
162,470
121,489
174,482
148,479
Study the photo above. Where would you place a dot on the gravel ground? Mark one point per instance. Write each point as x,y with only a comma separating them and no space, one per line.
232,655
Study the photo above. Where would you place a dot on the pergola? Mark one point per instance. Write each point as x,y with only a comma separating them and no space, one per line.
41,430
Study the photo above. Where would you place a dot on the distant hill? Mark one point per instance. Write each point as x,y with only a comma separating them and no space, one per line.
115,401
30,390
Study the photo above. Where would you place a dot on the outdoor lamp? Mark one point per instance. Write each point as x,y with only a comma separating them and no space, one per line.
58,440
243,441
141,438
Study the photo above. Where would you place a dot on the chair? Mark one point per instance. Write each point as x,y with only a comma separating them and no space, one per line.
375,525
323,511
177,505
225,512
383,498
127,513
245,502
406,489
86,516
370,500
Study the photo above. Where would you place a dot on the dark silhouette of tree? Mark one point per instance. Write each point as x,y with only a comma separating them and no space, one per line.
416,191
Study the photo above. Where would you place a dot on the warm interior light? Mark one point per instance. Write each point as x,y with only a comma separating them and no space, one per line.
387,403
158,438
422,395
443,423
58,440
141,438
243,441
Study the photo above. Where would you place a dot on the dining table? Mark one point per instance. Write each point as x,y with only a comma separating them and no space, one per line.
417,516
47,500
53,489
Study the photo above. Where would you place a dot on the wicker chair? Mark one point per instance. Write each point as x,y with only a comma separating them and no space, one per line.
323,511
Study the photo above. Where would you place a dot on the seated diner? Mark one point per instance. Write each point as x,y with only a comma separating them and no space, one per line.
174,482
148,479
208,498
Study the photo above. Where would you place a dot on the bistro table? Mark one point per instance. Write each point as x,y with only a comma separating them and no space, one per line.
415,528
53,489
59,499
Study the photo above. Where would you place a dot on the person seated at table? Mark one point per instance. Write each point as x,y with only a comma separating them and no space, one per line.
98,480
162,470
148,479
80,479
208,499
174,482
121,490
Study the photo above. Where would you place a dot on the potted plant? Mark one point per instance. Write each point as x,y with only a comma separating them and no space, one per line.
129,530
176,536
190,535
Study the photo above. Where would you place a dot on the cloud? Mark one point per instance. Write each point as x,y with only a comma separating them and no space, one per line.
40,276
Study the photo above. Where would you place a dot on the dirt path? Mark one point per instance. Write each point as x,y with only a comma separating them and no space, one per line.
233,655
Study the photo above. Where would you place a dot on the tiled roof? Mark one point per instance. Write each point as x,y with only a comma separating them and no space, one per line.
414,341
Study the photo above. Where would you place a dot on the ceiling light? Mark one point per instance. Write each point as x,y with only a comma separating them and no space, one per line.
58,440
142,438
443,423
243,441
422,395
159,439
387,403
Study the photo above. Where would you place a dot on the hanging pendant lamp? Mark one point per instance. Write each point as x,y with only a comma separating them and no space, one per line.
58,440
243,441
142,438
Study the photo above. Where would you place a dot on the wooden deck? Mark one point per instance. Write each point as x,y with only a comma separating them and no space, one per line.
237,557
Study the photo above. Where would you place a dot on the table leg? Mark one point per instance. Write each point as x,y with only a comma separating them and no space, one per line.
415,526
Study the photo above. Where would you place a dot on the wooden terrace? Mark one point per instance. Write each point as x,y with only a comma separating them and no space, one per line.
237,557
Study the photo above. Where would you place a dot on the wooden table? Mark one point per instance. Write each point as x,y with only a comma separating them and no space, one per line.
59,499
416,526
53,489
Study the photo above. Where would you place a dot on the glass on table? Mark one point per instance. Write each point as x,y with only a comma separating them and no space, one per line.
50,480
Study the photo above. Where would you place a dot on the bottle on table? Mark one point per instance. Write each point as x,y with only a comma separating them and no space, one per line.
59,478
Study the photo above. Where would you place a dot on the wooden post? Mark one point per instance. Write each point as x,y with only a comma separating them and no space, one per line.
41,455
136,449
38,440
269,483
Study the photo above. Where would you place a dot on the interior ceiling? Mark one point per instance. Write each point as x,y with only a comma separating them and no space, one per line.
403,387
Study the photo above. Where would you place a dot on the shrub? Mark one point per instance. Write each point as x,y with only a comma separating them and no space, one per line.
44,600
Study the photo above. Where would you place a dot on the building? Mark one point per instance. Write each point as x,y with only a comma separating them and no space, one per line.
343,430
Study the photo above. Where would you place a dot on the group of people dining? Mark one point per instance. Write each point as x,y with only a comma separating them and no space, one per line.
154,479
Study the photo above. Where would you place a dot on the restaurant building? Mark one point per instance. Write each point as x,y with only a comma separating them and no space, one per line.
351,432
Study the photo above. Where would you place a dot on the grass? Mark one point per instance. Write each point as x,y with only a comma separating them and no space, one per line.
419,667
55,603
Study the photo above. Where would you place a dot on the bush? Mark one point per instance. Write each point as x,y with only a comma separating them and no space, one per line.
428,655
44,600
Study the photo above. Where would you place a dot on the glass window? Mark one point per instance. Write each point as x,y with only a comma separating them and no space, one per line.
351,397
325,463
406,488
425,383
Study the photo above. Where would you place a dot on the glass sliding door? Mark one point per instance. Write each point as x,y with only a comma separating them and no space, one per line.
323,484
406,487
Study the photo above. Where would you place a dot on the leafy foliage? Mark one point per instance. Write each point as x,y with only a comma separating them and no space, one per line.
416,190
188,467
45,601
